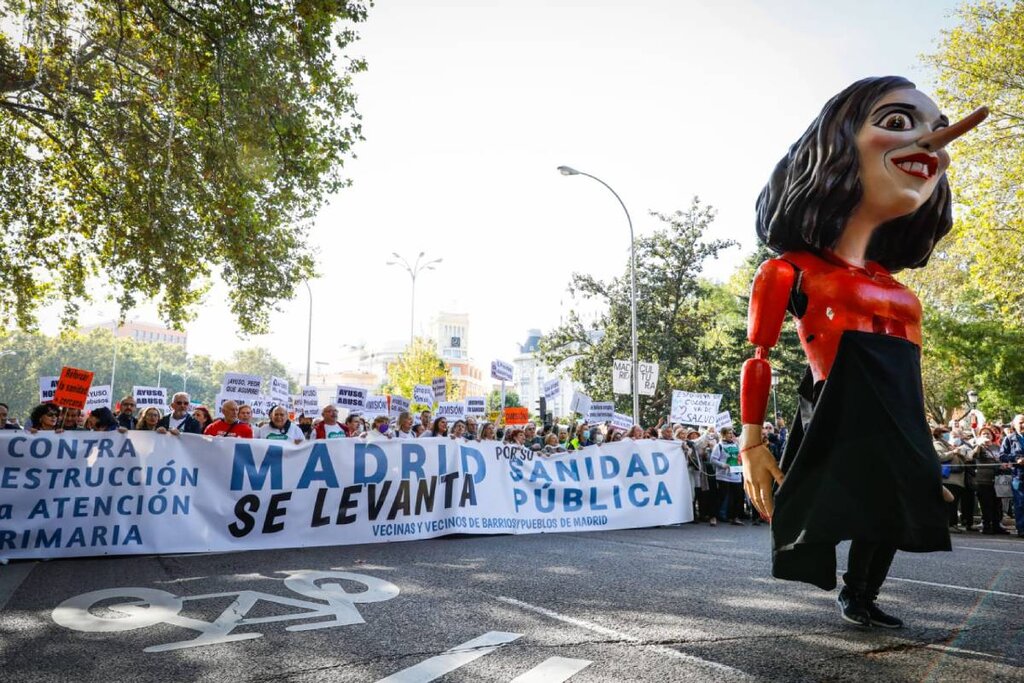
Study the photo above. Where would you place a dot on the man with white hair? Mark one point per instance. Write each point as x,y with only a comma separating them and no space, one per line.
179,419
1012,452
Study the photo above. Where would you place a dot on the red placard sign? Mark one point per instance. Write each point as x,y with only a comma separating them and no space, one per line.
517,416
73,388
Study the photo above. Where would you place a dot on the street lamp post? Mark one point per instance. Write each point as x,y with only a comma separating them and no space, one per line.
775,403
567,170
413,269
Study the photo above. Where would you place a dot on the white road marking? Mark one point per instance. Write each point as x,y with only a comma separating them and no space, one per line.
450,660
948,585
619,635
12,576
949,648
992,550
553,670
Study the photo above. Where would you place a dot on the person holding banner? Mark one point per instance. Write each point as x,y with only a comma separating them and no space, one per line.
73,420
458,430
280,428
861,194
229,425
439,428
178,420
126,412
329,427
149,421
202,416
43,418
5,420
404,426
245,415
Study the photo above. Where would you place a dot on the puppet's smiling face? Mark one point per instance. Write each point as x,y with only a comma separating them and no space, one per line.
898,176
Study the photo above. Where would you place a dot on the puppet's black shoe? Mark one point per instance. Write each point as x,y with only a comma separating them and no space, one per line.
852,608
880,618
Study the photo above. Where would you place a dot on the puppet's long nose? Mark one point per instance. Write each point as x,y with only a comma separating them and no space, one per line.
935,141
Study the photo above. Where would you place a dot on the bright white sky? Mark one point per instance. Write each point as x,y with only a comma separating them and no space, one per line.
469,106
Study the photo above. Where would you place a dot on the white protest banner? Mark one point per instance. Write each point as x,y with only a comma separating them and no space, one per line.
150,397
580,403
154,494
648,380
47,388
279,392
240,387
622,374
601,411
552,388
423,394
99,397
723,421
621,422
399,405
351,399
451,410
375,406
310,405
476,405
440,388
500,370
693,408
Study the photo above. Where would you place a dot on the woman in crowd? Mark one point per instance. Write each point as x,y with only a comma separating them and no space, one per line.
439,428
149,420
724,457
458,430
635,432
379,429
952,461
418,430
353,426
73,420
280,428
487,432
404,430
103,420
245,415
43,418
614,437
986,461
203,417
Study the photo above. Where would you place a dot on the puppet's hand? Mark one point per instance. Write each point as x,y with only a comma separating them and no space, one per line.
759,472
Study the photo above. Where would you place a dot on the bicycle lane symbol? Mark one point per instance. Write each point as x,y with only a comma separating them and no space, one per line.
147,607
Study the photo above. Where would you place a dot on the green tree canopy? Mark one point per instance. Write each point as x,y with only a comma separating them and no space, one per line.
152,144
670,324
980,62
494,400
418,364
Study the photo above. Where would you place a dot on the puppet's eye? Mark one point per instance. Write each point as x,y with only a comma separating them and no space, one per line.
896,121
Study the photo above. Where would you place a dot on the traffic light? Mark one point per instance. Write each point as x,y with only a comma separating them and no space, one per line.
542,405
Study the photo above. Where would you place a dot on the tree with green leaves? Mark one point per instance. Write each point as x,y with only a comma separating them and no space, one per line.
153,144
494,400
670,323
980,62
418,364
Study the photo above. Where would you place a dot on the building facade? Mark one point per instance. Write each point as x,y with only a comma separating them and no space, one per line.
149,333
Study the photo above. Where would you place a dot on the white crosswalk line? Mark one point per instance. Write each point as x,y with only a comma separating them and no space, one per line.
553,670
450,660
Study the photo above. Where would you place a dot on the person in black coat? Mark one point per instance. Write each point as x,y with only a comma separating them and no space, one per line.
179,419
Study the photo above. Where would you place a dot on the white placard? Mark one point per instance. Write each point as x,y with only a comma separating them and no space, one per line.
279,392
349,398
399,405
260,405
476,405
47,388
622,374
310,405
375,406
502,371
451,411
622,422
601,411
209,479
723,421
241,387
150,397
440,388
695,409
648,378
423,394
580,403
99,397
552,388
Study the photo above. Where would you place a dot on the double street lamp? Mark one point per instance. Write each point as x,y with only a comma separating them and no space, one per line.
567,170
413,269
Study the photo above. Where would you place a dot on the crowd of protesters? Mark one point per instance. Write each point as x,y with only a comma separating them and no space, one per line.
982,468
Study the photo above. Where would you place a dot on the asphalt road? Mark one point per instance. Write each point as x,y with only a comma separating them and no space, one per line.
668,604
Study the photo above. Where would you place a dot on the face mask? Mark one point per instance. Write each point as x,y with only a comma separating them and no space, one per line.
383,429
599,438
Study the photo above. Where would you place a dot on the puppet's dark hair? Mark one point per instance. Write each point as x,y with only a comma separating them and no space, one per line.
815,188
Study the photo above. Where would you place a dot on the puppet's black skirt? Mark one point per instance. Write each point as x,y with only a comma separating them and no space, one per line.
859,463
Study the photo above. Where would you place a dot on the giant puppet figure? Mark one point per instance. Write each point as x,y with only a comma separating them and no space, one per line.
860,195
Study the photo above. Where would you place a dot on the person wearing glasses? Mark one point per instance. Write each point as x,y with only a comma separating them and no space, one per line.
179,420
44,418
126,413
